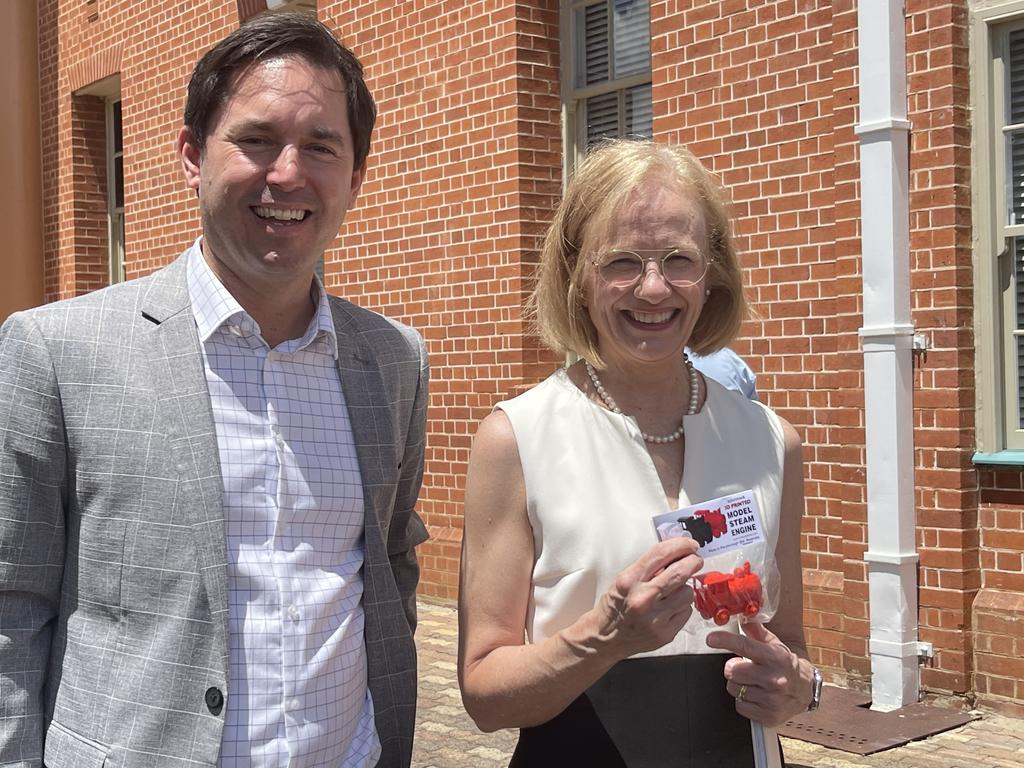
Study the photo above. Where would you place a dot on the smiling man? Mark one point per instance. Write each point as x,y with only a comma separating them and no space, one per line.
208,476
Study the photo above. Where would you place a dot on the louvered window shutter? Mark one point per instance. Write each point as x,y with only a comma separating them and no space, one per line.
632,30
613,42
638,111
1015,194
595,46
1015,127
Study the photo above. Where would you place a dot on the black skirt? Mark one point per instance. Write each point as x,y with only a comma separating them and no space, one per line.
660,712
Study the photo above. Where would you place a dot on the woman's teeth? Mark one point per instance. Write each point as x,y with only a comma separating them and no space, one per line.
651,317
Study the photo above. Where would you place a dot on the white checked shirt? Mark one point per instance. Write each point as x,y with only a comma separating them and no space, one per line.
293,508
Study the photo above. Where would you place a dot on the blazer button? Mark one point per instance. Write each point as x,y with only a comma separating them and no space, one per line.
214,700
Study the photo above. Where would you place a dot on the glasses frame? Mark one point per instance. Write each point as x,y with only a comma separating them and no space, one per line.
597,261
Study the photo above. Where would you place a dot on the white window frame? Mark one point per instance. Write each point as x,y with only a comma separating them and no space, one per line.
115,212
574,129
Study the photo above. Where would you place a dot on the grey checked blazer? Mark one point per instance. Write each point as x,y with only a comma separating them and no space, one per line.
113,585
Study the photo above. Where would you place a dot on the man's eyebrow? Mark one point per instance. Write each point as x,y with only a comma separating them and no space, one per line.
245,126
327,134
320,133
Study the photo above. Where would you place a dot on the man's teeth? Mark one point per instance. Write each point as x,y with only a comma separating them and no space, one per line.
651,317
280,214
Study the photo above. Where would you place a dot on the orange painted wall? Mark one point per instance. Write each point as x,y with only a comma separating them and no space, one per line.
20,197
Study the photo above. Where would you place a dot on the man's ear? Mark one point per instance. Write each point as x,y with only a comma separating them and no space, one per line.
358,177
190,157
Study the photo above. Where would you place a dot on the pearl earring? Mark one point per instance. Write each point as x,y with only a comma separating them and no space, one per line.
707,291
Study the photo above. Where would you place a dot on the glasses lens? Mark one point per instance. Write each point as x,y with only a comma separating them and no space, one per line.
621,267
681,268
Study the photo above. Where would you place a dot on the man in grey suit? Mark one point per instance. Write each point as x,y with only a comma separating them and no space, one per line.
208,475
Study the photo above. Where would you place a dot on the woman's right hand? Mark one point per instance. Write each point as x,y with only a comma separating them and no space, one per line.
650,600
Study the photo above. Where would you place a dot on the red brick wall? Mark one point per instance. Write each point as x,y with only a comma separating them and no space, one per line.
464,173
940,222
464,170
997,616
842,376
762,92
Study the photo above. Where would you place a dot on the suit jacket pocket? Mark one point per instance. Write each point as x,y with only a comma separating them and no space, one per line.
415,533
63,748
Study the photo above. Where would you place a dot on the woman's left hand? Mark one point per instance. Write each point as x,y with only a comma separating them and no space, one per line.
770,683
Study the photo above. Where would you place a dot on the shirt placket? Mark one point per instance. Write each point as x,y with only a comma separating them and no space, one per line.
289,608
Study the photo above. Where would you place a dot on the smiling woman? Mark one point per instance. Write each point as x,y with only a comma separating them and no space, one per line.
647,318
605,193
576,624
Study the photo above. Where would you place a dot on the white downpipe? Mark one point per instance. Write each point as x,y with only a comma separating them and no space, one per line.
888,365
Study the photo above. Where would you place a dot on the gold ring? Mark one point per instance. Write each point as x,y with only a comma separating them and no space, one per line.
742,694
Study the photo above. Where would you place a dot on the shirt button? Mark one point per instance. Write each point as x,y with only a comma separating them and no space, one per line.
292,705
293,613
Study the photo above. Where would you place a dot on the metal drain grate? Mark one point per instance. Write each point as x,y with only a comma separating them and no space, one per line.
844,722
820,735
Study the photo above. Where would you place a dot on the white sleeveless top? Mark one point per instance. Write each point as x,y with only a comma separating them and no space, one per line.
592,490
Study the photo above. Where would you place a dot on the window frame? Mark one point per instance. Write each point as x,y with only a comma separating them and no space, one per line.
998,439
109,89
115,212
573,97
292,6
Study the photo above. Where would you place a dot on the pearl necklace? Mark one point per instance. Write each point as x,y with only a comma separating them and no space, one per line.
607,399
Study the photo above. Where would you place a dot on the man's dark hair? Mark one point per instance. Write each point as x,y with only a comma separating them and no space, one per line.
272,36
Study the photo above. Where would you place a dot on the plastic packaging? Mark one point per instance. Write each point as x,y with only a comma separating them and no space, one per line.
740,576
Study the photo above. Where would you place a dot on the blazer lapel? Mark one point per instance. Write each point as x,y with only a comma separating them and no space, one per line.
369,413
183,405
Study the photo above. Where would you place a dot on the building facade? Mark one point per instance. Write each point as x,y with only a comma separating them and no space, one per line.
889,319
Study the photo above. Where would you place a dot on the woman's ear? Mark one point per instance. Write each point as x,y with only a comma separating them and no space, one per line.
578,293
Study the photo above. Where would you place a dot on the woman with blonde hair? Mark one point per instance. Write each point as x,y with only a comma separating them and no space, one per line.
576,624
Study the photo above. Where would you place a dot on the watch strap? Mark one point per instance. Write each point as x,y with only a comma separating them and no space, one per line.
815,690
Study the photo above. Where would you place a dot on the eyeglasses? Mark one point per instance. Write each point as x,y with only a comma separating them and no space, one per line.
621,268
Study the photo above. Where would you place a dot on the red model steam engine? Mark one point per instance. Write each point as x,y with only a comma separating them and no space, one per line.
721,595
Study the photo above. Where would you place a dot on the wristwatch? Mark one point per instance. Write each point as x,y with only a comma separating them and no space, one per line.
815,690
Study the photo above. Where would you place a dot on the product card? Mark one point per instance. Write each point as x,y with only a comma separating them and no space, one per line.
718,525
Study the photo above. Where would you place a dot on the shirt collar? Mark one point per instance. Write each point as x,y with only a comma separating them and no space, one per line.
214,307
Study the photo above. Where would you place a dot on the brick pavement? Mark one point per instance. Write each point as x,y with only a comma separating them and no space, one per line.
447,738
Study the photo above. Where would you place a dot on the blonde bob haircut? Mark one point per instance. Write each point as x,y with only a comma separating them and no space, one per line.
603,183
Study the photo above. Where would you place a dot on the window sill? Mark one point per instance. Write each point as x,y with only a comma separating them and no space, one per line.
1005,458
